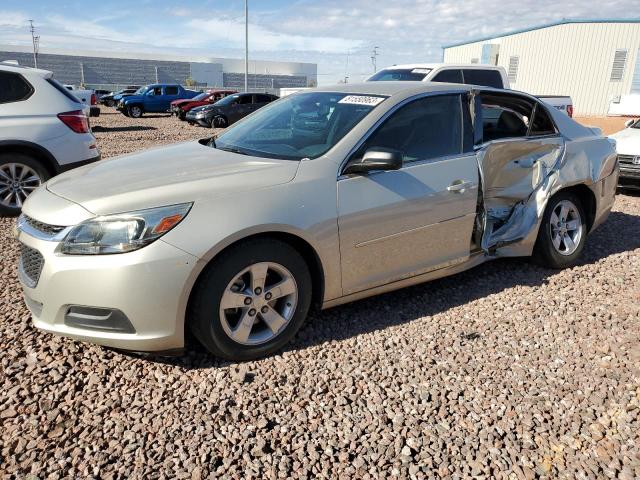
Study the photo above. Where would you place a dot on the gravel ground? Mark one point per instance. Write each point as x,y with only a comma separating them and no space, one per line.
506,371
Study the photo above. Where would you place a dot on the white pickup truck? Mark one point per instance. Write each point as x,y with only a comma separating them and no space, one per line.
87,97
472,74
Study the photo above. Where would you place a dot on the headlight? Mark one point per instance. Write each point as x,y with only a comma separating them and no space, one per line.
123,232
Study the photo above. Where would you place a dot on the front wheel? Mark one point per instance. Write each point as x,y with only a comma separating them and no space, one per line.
252,300
219,122
563,232
19,176
135,111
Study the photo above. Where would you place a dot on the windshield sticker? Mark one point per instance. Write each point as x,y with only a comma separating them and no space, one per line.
362,100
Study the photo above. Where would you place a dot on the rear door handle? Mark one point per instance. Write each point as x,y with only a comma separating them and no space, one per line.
459,186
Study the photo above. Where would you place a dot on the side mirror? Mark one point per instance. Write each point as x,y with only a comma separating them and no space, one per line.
376,159
628,123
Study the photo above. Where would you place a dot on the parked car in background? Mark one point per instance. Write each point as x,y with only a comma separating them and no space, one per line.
320,198
112,99
101,93
88,97
180,107
470,74
628,148
155,98
44,130
229,110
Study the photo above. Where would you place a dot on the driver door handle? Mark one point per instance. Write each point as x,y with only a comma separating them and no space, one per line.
459,186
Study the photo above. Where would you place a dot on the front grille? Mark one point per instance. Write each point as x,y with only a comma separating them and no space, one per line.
627,160
31,263
44,228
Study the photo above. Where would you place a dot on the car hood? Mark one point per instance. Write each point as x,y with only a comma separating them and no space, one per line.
627,141
181,101
183,172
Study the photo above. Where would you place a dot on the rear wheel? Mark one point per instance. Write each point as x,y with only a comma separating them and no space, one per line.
252,300
19,176
135,111
563,232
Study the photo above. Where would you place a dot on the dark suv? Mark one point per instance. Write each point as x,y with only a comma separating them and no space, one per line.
228,110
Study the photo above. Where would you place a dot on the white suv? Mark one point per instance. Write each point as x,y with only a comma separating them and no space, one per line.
44,131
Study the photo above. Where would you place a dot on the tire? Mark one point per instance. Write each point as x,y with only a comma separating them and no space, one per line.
219,329
564,214
181,115
134,111
108,103
21,168
219,121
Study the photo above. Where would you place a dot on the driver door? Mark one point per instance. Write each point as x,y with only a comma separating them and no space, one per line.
401,223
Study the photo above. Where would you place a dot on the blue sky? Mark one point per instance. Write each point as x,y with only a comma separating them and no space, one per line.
338,35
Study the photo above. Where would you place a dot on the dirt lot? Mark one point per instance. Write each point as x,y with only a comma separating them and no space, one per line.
608,125
506,371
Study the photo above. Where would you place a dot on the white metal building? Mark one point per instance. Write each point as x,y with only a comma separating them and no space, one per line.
594,61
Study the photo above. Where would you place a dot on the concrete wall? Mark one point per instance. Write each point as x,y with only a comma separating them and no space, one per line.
570,59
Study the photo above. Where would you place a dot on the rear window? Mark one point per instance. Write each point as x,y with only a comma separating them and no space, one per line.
449,76
14,88
61,88
483,78
402,74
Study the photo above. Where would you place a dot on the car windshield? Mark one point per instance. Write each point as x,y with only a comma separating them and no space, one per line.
403,74
141,90
201,96
636,124
298,126
227,100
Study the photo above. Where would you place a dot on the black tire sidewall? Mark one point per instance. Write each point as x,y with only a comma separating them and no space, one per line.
219,121
545,253
204,309
29,161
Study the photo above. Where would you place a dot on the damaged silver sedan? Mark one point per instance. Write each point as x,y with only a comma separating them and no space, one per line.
320,198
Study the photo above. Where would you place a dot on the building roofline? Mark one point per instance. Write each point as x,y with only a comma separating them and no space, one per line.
564,21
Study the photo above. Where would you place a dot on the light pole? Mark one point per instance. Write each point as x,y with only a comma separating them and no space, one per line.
246,45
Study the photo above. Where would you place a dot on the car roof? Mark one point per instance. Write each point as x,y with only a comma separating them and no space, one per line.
439,65
394,87
12,67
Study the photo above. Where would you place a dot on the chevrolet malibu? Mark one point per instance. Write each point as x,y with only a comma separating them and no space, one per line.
318,199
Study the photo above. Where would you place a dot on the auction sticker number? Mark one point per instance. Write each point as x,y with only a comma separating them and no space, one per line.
362,100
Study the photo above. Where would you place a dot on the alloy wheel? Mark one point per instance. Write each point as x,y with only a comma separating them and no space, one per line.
17,181
566,227
258,304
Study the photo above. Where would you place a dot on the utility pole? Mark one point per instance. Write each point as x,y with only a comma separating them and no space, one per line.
374,56
346,68
36,44
246,45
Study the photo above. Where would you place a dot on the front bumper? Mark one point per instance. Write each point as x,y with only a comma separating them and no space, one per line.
145,286
202,121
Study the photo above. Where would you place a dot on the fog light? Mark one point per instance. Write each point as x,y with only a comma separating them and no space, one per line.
100,319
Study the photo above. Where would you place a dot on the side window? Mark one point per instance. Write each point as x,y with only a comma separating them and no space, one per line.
13,87
172,90
505,116
448,76
263,98
541,123
483,78
427,128
245,99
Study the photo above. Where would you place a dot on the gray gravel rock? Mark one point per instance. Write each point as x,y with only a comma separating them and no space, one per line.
506,371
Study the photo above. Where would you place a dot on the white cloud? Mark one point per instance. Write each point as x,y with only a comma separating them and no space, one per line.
307,31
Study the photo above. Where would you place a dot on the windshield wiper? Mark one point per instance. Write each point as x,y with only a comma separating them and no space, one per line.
233,150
